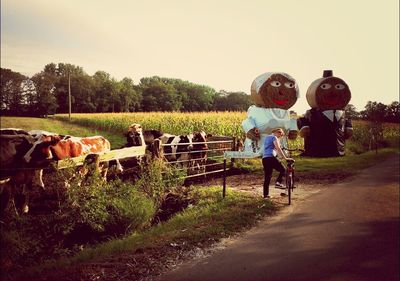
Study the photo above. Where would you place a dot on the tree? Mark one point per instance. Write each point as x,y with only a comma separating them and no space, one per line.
12,97
231,101
158,96
189,96
45,100
374,111
129,98
102,86
393,112
82,87
351,112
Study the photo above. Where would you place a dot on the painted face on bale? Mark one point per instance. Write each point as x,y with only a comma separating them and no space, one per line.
328,93
278,91
332,93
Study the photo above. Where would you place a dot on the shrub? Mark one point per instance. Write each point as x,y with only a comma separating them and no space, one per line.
88,211
111,208
128,208
158,179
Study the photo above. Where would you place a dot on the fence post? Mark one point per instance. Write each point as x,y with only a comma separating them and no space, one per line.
224,180
234,148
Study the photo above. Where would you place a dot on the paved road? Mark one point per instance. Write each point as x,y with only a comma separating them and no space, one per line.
348,232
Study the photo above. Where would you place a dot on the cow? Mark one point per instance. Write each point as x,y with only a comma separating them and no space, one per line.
177,148
136,136
198,155
17,175
69,146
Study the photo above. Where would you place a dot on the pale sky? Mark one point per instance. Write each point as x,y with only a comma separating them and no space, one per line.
223,44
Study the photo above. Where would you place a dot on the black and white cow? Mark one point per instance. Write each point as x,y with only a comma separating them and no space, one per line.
136,136
198,155
177,148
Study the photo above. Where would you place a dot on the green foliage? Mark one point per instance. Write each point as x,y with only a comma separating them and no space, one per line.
88,210
234,101
12,91
366,135
208,221
106,207
379,112
157,179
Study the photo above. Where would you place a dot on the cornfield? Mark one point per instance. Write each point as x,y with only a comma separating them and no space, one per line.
215,123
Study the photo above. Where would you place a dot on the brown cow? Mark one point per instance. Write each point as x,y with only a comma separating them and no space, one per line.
68,147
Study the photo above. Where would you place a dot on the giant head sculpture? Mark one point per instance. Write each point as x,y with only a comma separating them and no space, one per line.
274,90
328,93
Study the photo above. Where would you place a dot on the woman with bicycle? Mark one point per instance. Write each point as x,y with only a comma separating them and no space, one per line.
270,161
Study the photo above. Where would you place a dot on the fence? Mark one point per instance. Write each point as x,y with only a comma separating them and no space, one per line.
214,162
210,164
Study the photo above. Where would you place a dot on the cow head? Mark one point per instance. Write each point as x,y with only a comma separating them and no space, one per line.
134,136
200,137
41,150
185,139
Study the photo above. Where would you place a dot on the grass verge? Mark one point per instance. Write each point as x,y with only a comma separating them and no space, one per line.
212,219
329,169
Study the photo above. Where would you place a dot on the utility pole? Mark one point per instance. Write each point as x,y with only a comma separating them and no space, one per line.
69,96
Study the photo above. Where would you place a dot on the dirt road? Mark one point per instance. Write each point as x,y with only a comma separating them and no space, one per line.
350,231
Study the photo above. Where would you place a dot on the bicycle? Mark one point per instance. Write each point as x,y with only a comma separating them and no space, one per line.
289,175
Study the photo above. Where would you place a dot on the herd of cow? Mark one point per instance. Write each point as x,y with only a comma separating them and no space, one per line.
24,155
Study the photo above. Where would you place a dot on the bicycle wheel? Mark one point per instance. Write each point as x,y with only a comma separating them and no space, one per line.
289,186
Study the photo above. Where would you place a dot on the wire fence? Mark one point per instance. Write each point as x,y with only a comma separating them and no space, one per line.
210,162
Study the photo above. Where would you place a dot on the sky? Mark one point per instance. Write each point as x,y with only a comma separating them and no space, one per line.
224,44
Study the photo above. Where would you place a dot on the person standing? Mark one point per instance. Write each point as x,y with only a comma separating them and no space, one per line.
270,161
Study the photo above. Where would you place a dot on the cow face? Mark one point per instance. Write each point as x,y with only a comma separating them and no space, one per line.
200,140
185,143
134,136
201,136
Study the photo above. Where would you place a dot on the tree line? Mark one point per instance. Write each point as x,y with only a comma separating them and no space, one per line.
376,112
47,93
